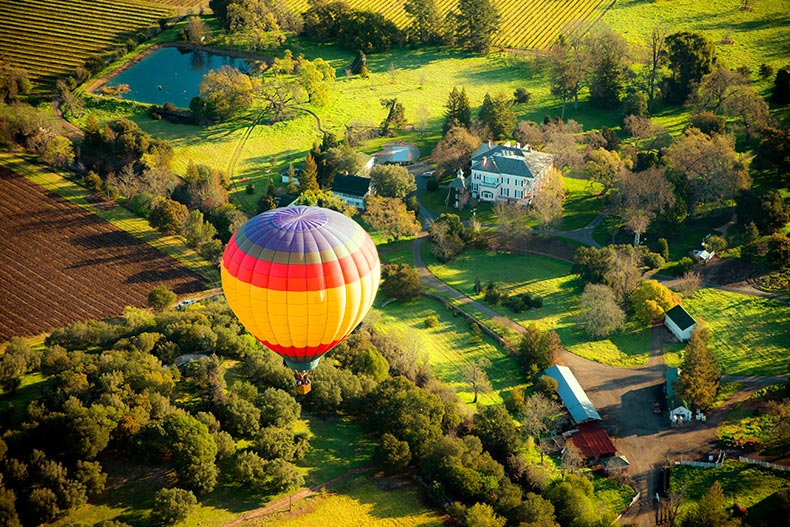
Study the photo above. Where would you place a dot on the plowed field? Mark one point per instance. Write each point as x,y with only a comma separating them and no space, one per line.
60,264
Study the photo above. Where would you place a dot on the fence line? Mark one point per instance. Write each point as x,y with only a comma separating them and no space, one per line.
764,463
636,498
702,464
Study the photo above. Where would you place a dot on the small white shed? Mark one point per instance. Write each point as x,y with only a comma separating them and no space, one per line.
680,323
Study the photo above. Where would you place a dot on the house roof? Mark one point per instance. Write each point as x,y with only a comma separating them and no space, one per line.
351,185
508,160
593,440
615,463
680,317
572,394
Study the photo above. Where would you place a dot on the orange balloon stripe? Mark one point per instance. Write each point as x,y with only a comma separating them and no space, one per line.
300,277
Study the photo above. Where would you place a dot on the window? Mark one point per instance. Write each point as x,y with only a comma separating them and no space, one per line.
504,191
519,194
487,195
519,182
491,181
477,177
474,187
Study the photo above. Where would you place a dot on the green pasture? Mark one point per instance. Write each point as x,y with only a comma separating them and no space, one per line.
396,252
749,335
358,503
742,483
550,279
337,445
451,345
758,36
119,217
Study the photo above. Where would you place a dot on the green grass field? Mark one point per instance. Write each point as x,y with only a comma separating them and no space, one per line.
337,445
358,503
450,345
747,485
750,336
551,280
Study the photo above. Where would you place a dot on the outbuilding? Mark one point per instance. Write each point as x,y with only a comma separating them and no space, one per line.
573,397
678,410
679,323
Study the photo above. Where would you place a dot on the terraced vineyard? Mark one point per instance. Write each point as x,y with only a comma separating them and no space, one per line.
50,38
528,24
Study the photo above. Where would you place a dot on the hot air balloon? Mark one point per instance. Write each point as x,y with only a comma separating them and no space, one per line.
300,279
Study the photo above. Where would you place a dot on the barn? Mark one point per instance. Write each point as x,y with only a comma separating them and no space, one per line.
680,323
573,397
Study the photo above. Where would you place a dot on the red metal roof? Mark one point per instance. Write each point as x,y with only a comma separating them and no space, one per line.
593,440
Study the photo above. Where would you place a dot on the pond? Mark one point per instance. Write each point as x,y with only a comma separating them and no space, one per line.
172,74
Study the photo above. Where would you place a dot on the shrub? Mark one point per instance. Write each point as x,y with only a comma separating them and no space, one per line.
161,298
172,506
431,322
684,266
779,250
708,123
716,244
494,294
653,260
522,96
432,185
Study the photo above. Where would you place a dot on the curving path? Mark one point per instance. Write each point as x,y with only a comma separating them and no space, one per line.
624,397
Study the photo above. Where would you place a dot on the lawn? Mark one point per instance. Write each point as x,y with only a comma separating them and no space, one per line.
337,445
395,252
449,346
358,503
746,484
552,280
749,335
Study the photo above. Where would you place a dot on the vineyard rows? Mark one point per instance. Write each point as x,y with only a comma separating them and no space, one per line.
60,264
529,24
49,38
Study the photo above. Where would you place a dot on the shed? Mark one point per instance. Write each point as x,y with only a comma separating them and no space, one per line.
678,410
680,323
573,397
615,463
593,441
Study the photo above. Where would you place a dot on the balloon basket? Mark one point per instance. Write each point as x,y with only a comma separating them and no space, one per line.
303,389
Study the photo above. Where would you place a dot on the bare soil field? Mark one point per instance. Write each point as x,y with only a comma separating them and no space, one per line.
60,264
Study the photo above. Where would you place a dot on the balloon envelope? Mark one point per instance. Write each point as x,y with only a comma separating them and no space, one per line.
300,279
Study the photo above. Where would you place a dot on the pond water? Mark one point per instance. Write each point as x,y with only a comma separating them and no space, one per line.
172,75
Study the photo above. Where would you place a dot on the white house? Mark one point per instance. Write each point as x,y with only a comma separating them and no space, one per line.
680,323
505,172
678,410
352,189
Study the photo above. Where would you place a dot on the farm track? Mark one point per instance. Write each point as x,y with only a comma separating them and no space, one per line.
60,264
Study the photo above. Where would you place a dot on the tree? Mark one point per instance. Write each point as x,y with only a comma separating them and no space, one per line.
400,281
607,52
192,450
497,114
599,313
367,31
699,379
691,56
773,155
390,216
458,112
538,414
536,511
779,250
513,220
308,179
392,181
169,216
227,92
639,197
474,373
718,87
537,349
483,515
396,116
447,237
571,497
161,298
172,505
651,300
710,511
278,408
316,77
454,151
13,82
322,19
712,167
656,59
750,109
196,31
58,152
427,24
566,71
393,453
781,90
635,103
604,167
475,22
547,203
495,428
